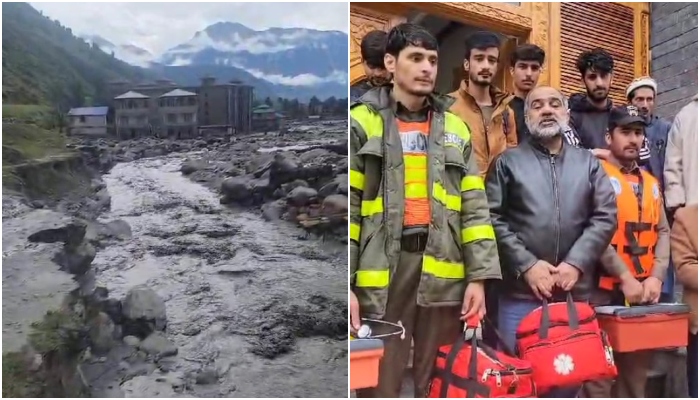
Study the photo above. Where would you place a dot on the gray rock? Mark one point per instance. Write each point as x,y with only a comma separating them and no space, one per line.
158,345
191,166
207,376
76,259
236,189
302,196
339,185
102,330
314,155
335,205
144,312
273,211
132,341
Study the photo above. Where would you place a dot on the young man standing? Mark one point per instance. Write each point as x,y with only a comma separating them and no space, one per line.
481,105
589,111
553,210
372,51
422,244
641,244
525,68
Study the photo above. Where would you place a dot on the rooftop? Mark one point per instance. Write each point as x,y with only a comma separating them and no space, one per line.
88,111
131,95
178,93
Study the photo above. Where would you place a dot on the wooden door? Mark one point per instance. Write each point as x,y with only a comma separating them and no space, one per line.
503,79
362,21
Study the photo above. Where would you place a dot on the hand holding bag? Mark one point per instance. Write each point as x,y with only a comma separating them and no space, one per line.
470,368
565,345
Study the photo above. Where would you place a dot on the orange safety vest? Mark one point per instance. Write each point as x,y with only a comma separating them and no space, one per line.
414,139
637,229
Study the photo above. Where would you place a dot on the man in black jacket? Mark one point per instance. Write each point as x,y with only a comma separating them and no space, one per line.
554,213
589,111
372,50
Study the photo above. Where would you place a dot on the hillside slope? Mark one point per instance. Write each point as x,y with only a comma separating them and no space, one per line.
44,63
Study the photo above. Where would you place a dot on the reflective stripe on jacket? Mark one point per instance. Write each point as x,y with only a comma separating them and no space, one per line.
461,243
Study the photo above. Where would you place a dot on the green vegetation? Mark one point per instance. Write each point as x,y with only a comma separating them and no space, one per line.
17,380
44,63
30,133
57,338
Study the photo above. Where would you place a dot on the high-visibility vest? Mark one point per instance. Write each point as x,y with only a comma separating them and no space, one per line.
637,227
415,160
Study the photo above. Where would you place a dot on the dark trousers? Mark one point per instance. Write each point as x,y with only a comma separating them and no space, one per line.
693,365
429,327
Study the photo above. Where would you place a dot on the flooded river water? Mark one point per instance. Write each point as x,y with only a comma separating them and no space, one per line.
247,299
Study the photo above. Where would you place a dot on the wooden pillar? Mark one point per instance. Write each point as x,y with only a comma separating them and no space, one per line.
540,35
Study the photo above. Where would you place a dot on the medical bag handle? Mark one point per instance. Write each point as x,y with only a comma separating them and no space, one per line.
570,309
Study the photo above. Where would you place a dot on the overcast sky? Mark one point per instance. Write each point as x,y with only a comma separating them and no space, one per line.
157,27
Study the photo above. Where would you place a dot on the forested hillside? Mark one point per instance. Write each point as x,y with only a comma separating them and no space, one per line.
44,63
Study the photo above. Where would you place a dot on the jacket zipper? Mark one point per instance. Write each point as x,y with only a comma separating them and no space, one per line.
555,187
540,344
552,325
486,133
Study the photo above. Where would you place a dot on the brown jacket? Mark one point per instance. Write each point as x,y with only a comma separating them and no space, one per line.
488,140
684,250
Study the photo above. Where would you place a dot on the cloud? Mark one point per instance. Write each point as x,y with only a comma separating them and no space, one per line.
156,27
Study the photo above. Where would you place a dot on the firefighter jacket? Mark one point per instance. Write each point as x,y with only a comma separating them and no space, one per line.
461,244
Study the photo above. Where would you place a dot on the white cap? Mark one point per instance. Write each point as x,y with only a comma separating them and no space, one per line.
641,82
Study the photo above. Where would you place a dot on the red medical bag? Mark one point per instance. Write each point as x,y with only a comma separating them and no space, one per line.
470,368
565,345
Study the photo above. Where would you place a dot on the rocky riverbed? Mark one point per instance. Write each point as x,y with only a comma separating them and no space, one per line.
193,294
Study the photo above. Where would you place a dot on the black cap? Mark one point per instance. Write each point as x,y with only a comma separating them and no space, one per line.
625,115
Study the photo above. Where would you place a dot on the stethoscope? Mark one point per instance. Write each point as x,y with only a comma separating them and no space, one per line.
365,332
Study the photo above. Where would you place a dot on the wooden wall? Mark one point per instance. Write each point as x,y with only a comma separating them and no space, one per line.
563,30
606,25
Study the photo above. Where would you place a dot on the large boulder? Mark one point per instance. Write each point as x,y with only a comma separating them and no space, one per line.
76,259
158,345
284,168
339,185
302,196
191,166
334,205
144,312
273,211
236,189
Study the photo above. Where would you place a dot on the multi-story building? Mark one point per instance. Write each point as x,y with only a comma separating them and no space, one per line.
225,107
177,112
131,115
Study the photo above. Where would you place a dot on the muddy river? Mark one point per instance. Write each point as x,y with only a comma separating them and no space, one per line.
252,301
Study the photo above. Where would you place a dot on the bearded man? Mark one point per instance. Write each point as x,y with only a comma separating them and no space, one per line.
481,105
554,213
